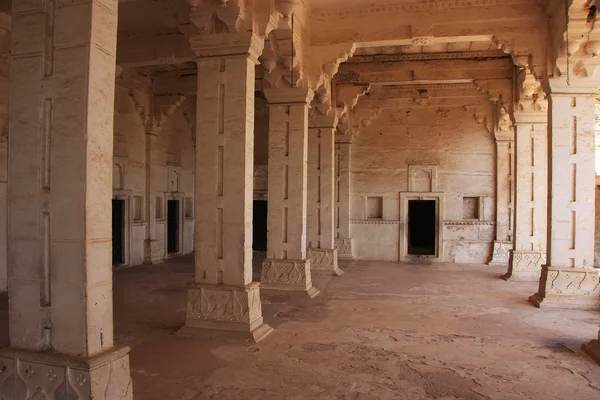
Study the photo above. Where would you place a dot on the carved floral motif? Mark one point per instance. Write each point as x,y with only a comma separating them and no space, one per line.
573,282
224,304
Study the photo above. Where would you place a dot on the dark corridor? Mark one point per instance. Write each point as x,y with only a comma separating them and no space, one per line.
173,226
259,225
421,227
118,232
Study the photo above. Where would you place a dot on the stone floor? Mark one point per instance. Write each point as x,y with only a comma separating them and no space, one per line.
380,331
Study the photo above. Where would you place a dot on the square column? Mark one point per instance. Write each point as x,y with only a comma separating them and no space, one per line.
343,240
223,295
59,199
504,196
287,267
322,252
569,279
153,252
531,196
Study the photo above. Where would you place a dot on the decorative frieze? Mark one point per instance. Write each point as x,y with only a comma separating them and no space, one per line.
374,222
525,265
30,375
458,55
324,260
287,275
500,253
344,248
460,222
419,6
568,288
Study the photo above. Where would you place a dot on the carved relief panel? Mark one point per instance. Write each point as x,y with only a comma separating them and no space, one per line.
422,178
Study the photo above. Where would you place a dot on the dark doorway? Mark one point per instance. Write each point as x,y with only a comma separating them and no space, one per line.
173,226
259,225
118,232
421,227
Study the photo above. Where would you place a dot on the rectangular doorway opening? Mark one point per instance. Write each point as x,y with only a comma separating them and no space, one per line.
259,225
421,227
118,232
173,226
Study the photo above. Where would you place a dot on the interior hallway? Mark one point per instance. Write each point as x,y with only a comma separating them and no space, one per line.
381,331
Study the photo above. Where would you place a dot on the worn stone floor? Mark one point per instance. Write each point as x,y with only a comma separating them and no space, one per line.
380,331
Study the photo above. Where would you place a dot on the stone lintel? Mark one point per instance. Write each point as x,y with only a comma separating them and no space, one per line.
227,45
226,307
324,121
565,287
525,265
593,348
500,253
577,87
288,96
287,275
344,248
324,261
26,374
531,118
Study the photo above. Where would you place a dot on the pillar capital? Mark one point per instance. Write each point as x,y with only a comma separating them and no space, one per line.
531,118
576,88
288,96
323,121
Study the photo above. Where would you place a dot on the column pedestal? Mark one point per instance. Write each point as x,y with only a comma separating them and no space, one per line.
525,265
344,248
226,307
287,275
500,254
324,261
593,348
46,375
568,288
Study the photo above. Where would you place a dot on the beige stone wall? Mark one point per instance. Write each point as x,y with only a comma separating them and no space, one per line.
464,152
173,172
597,235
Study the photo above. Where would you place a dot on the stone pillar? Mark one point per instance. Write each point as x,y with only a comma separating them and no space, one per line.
569,279
531,196
153,252
322,252
223,295
60,161
504,196
287,267
343,240
4,98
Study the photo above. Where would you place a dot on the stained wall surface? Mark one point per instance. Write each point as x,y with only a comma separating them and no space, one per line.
463,152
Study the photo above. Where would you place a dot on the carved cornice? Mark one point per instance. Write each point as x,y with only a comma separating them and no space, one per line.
466,222
429,86
459,55
419,6
373,222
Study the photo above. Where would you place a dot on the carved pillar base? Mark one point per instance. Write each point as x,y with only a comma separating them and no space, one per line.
525,265
153,252
28,374
593,348
568,288
500,253
226,307
324,261
288,276
344,248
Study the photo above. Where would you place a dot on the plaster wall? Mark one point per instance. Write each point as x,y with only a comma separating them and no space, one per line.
463,152
172,173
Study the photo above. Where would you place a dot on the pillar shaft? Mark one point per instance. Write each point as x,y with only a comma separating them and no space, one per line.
569,279
152,250
343,239
504,198
60,190
529,245
223,295
286,266
322,253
